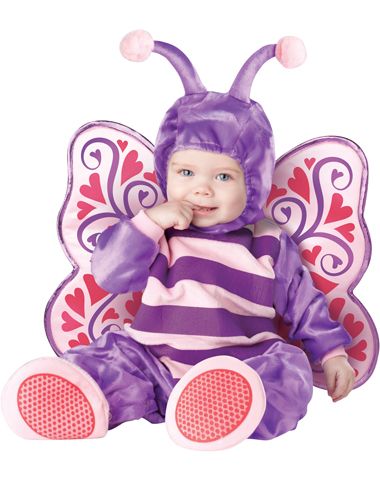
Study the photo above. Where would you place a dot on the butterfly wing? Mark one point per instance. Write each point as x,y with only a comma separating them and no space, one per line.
318,197
111,174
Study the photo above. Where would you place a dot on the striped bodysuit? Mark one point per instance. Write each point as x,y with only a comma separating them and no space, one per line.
206,295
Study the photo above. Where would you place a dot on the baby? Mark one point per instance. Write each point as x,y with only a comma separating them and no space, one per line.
199,179
203,352
203,189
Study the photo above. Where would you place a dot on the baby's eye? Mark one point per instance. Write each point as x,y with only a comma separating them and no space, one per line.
224,176
186,173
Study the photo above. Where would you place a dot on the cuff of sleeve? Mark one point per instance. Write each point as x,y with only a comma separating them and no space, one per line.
146,226
336,352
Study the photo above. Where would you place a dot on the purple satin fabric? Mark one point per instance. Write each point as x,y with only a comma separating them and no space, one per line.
185,69
288,382
137,385
302,306
122,258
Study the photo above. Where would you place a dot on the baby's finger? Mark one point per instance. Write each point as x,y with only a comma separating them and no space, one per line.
182,222
351,384
342,389
188,205
330,380
344,394
337,399
338,392
188,211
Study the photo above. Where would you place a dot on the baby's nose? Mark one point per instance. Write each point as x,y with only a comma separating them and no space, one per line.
203,193
203,190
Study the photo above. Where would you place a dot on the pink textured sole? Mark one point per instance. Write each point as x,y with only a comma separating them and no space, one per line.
55,408
53,399
215,405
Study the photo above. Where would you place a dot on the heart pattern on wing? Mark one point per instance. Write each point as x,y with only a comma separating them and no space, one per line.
131,166
111,175
311,255
322,212
299,183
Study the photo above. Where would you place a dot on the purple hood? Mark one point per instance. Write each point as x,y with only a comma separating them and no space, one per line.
229,123
220,123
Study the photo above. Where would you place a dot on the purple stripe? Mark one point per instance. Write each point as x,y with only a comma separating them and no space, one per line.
265,245
215,322
242,237
254,288
192,357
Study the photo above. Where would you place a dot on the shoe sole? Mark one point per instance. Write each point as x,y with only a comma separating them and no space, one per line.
218,403
51,398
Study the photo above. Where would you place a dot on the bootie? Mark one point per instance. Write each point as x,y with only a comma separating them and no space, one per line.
51,398
217,403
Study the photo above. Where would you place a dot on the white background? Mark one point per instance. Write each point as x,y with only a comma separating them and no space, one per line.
61,68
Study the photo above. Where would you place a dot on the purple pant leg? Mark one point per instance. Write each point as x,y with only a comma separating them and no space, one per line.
287,377
135,384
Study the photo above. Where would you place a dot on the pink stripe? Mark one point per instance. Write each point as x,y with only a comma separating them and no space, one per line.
177,369
188,293
196,342
230,254
164,247
147,226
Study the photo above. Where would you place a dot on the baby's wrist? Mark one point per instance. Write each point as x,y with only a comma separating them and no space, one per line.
336,352
151,213
333,360
148,226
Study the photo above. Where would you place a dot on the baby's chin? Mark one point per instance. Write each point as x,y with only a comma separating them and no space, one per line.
203,223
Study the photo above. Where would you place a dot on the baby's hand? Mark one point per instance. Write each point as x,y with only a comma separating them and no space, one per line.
177,214
340,377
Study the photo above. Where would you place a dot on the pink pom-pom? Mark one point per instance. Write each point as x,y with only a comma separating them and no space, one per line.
137,45
290,52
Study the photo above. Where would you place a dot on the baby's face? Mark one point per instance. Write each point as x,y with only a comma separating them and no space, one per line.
207,179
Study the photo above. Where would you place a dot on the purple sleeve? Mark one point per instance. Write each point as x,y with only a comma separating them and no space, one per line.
302,306
122,258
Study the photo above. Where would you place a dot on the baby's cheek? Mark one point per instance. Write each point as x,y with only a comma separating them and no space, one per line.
173,191
237,205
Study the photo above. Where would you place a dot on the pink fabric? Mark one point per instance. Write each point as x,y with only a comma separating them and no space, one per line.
137,46
190,293
290,52
143,223
229,254
197,342
336,352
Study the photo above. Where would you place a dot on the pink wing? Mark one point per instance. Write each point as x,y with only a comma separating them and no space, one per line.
110,175
318,197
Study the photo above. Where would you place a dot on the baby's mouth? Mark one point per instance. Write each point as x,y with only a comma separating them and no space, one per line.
204,210
200,207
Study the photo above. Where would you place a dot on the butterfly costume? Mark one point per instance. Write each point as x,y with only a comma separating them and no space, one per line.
219,331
